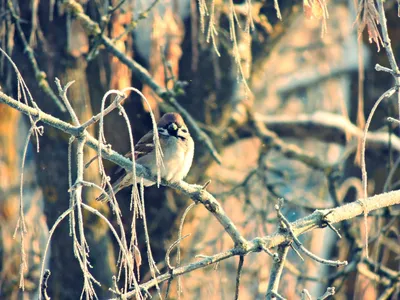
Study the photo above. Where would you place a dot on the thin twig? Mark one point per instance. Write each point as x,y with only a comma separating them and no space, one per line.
63,95
81,246
39,74
152,263
43,286
385,95
275,295
334,230
238,275
330,291
305,295
276,272
288,227
105,112
386,41
170,248
133,24
178,254
51,231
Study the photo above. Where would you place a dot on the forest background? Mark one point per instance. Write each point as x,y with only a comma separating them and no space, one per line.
278,96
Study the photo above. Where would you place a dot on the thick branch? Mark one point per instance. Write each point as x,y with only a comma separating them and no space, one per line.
289,150
299,227
328,127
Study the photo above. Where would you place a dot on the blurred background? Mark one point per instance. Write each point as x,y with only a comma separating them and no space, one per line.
300,76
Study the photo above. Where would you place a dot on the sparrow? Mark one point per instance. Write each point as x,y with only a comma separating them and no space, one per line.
177,147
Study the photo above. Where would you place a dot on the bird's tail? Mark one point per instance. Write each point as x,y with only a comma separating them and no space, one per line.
116,187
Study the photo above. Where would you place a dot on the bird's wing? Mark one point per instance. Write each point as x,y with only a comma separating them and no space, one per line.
143,147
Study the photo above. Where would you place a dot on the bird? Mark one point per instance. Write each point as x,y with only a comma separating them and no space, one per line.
177,153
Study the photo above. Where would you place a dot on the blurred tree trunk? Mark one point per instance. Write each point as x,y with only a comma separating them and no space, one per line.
9,194
13,134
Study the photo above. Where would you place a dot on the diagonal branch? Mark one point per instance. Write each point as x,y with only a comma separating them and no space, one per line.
196,192
299,227
93,29
39,74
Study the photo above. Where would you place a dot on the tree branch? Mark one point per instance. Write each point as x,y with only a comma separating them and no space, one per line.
39,74
93,29
199,194
325,126
299,227
195,192
276,272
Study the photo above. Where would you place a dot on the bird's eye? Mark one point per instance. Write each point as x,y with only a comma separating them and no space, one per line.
184,130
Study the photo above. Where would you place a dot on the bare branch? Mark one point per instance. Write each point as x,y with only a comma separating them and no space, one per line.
387,43
39,74
93,28
325,126
385,95
289,150
63,95
103,113
276,272
238,274
53,228
299,227
195,192
178,256
288,227
198,194
330,291
43,287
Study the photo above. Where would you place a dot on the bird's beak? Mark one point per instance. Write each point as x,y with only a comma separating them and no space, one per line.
173,127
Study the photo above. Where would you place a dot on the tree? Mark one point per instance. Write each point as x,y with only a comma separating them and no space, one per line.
235,110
